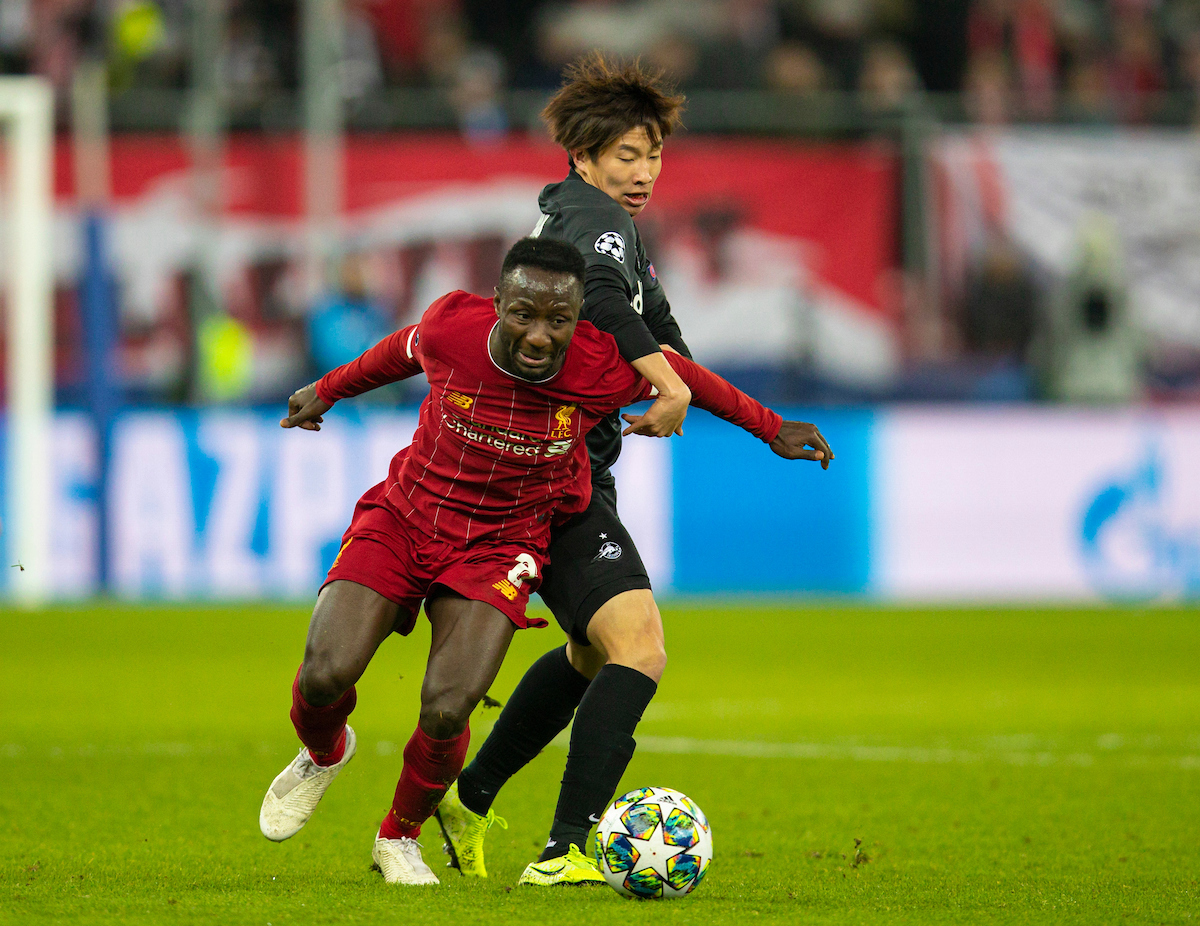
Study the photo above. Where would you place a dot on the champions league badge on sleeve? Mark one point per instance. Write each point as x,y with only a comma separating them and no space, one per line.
613,245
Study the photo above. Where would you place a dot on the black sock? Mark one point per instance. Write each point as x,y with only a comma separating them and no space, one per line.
540,708
601,747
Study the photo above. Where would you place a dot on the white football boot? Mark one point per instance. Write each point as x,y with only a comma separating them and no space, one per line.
401,863
296,791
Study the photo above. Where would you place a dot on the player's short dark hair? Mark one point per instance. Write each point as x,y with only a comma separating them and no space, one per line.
600,100
546,254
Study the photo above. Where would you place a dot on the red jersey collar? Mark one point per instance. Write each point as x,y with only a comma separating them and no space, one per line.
487,347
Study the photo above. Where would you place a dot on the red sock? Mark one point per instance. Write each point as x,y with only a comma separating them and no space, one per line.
430,767
322,729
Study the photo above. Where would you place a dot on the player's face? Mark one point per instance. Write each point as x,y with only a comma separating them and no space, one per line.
538,310
625,170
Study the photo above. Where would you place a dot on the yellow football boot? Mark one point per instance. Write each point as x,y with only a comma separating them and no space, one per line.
463,831
574,869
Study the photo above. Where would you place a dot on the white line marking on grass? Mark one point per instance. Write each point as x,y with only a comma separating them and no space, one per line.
687,746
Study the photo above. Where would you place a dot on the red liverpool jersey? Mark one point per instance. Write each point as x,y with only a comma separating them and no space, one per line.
495,456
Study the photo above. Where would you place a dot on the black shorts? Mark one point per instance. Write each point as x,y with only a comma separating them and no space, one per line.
592,559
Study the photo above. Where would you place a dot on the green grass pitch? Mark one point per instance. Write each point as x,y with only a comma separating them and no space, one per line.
859,765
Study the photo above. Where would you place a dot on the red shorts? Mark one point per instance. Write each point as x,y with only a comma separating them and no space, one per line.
394,557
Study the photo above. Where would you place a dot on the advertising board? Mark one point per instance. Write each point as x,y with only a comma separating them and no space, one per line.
1036,504
921,504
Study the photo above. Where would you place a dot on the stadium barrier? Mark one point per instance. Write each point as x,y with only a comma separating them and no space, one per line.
920,504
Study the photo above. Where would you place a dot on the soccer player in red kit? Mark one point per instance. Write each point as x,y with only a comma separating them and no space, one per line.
462,521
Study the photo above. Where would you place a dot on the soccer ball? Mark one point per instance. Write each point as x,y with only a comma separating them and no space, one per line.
652,843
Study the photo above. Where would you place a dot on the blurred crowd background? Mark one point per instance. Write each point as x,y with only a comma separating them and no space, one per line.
971,302
1090,60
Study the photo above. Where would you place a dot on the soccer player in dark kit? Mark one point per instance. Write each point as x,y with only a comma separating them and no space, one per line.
612,121
463,520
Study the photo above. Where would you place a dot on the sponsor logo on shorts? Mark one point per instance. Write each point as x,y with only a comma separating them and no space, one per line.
506,588
525,567
613,245
608,550
457,398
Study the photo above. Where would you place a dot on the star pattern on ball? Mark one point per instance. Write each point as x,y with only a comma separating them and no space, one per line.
654,853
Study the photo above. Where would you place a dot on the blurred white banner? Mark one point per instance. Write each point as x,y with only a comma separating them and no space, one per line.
1039,186
1036,503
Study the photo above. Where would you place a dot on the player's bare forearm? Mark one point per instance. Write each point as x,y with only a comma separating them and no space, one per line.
665,416
305,409
799,440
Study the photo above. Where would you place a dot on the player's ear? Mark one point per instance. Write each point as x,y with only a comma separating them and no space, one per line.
496,300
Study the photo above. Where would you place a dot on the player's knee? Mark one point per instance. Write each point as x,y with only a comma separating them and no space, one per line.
642,651
322,681
649,658
639,645
446,716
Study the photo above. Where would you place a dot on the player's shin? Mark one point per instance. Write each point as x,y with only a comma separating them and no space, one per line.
430,767
322,729
540,708
601,746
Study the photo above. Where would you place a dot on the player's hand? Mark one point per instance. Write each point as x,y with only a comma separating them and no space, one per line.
795,436
663,418
305,409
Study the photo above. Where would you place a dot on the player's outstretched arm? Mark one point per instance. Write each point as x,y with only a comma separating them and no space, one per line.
796,440
391,360
305,409
789,439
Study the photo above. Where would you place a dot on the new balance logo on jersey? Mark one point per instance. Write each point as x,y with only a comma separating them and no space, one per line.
608,550
613,245
457,398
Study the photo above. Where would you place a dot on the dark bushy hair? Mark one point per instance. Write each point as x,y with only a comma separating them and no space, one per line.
601,100
546,254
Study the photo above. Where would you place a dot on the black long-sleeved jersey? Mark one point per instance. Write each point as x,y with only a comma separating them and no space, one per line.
621,293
